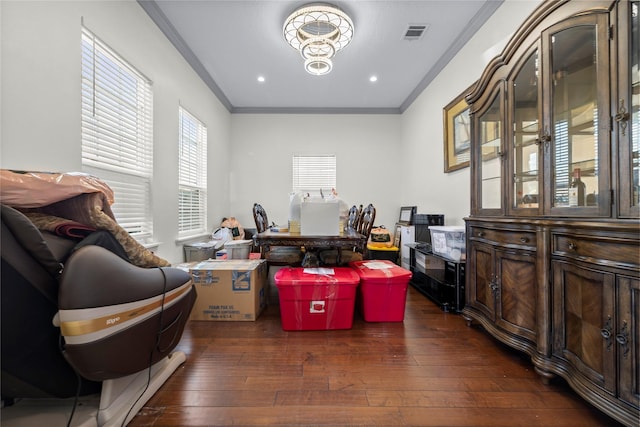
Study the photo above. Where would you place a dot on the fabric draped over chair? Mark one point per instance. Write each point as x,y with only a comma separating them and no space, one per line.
71,205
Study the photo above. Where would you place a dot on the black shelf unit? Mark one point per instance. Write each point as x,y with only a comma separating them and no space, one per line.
438,278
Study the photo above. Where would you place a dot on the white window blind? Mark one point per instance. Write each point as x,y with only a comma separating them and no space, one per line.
192,175
117,133
314,173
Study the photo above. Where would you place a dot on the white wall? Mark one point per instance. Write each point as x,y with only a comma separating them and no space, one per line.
430,188
40,89
365,147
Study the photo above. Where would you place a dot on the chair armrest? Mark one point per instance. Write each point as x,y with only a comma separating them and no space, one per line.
93,276
117,318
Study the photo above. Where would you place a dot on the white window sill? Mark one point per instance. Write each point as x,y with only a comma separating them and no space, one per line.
193,238
152,246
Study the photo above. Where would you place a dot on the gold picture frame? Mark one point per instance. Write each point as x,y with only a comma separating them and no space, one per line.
457,133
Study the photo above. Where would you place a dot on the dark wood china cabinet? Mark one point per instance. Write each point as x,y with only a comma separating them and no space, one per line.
553,239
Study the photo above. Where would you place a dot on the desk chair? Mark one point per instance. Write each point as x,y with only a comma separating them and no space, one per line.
353,217
362,221
365,222
277,255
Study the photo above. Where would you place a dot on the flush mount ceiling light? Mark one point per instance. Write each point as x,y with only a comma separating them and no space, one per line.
318,32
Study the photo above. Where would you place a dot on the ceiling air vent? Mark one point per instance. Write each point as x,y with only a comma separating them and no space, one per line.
415,31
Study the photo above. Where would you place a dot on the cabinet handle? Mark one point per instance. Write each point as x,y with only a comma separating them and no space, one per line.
623,339
543,137
573,246
480,233
524,239
622,118
494,286
606,333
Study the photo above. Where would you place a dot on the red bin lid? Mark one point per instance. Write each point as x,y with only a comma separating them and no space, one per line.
316,276
380,271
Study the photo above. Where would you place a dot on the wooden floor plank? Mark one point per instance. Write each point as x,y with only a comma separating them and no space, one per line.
430,370
513,417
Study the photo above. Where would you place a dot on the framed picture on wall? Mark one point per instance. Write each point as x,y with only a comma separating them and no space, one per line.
457,133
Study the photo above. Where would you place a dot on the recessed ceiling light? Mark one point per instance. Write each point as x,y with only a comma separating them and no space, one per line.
261,79
373,79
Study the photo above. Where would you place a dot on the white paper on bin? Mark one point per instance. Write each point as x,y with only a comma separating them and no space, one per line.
320,270
377,265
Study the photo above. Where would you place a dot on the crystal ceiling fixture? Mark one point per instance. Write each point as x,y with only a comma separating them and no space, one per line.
318,31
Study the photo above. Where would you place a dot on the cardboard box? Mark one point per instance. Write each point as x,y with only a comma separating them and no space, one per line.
229,290
320,218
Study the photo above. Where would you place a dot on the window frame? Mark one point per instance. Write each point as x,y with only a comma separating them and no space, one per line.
192,175
117,132
312,173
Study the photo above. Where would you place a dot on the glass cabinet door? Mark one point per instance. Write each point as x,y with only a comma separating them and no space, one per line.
579,89
627,111
488,129
526,138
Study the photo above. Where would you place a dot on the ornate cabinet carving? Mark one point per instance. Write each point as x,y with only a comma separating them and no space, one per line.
553,239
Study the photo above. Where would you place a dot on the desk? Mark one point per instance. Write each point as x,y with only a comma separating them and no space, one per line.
347,239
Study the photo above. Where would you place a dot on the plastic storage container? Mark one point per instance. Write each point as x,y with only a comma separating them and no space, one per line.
316,298
238,249
448,241
200,251
383,290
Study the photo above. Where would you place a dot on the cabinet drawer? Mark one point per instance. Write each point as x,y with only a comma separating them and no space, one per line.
596,250
501,237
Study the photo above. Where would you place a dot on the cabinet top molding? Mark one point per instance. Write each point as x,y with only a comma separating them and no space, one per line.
549,12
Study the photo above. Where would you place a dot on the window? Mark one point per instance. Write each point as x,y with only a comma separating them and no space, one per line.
192,175
314,173
117,133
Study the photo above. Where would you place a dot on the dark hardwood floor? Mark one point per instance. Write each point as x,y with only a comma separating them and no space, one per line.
430,370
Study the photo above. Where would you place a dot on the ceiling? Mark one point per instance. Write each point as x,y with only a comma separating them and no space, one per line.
230,43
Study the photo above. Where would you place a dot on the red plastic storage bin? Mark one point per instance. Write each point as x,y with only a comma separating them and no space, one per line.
383,290
311,301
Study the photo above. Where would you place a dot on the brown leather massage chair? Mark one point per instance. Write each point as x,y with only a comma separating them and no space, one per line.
80,319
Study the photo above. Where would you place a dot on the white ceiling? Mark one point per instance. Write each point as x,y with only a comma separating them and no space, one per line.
230,43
